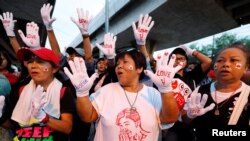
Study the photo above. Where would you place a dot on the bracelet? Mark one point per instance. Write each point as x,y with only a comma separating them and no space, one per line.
46,119
85,35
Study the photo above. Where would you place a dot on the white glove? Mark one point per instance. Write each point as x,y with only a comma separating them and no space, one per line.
2,102
144,26
38,101
188,50
79,77
32,38
8,23
83,20
45,13
164,73
109,46
195,104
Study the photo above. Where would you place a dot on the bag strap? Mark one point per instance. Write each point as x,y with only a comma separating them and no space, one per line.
240,103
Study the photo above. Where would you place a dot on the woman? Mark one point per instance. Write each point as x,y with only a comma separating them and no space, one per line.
227,102
6,68
44,107
106,105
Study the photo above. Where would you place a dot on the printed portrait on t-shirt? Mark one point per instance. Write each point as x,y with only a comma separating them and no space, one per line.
131,129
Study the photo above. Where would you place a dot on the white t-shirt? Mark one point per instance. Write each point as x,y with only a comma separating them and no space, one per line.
118,123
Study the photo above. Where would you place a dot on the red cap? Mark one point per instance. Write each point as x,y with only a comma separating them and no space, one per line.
43,53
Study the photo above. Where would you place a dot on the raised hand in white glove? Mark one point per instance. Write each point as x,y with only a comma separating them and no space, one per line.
164,73
8,23
45,13
32,38
195,104
38,102
79,77
2,102
109,46
188,50
83,20
145,23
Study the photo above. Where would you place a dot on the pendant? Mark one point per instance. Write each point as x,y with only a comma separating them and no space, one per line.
216,112
132,110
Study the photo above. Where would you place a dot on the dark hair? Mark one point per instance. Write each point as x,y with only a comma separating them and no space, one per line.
239,46
137,56
100,59
9,62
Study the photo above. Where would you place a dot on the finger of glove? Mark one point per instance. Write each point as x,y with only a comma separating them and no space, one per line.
43,100
151,25
165,59
172,60
77,62
72,67
204,100
42,9
8,15
86,15
11,16
178,67
209,108
106,37
189,102
76,22
47,8
134,27
82,65
50,7
100,47
79,13
93,77
5,16
140,20
158,61
52,20
145,20
68,73
38,94
39,89
114,39
20,32
197,99
193,98
28,27
150,74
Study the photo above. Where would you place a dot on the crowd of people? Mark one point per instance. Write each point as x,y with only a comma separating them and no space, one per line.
119,96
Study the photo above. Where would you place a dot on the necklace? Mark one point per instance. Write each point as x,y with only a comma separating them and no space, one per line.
132,108
217,111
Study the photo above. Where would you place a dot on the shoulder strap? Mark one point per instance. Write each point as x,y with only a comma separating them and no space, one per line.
241,102
62,92
20,90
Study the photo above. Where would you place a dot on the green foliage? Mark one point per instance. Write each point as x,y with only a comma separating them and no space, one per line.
219,43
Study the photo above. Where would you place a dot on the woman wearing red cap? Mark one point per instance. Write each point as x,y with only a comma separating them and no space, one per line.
44,107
